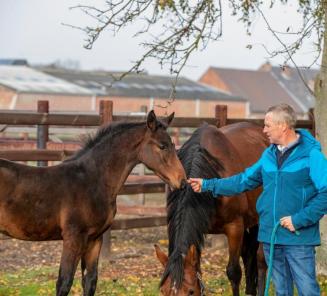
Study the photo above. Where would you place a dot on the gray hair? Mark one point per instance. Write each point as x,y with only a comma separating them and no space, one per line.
283,113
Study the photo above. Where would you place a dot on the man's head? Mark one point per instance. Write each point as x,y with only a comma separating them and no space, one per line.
280,121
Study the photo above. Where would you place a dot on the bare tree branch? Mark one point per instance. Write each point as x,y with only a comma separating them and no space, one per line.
289,50
189,25
313,24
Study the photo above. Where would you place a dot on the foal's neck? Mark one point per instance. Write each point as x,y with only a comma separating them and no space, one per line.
119,156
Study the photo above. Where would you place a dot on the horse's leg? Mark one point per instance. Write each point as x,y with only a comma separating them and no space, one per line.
71,254
262,269
89,264
249,256
234,232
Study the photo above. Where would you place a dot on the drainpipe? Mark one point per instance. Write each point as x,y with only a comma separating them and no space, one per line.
151,103
93,102
197,107
13,102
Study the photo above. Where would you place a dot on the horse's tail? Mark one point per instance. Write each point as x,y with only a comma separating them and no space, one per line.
249,256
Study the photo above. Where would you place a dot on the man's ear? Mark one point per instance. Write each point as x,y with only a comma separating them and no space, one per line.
168,119
163,258
285,126
151,121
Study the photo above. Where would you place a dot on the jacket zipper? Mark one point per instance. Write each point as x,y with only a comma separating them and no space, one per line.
275,195
303,196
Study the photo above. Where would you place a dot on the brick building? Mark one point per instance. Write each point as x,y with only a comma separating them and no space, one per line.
265,87
21,87
143,91
80,91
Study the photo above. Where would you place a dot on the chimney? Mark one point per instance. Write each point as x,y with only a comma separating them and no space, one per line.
286,71
266,67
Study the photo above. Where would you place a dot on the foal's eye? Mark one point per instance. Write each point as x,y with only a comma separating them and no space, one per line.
163,147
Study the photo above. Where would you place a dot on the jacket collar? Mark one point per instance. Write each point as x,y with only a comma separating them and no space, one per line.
307,142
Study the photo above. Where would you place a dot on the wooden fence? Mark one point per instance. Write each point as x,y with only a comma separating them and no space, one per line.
134,185
42,118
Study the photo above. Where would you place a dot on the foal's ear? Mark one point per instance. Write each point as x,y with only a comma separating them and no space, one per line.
163,258
151,121
169,119
192,256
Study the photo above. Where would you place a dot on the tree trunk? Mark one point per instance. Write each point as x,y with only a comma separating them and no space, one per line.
321,132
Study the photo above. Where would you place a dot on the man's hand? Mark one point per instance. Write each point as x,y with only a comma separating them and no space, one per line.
287,223
196,184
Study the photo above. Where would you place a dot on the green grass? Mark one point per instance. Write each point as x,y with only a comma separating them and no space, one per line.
41,282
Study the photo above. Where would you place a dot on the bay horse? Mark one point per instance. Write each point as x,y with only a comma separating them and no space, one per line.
214,153
75,201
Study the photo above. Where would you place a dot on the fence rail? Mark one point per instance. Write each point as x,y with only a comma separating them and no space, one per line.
64,119
34,155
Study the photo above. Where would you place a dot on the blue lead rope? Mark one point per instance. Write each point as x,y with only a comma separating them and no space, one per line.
271,256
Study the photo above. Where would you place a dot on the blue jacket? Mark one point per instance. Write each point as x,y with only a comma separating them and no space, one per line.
297,189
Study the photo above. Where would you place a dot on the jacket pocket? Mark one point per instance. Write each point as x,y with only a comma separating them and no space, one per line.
264,207
290,202
259,204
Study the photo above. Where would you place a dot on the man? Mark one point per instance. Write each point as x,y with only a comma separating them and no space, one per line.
293,173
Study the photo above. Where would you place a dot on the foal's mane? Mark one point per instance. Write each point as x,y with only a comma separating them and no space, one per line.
189,213
105,133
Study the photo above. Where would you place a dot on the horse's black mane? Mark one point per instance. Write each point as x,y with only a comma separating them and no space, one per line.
105,133
190,213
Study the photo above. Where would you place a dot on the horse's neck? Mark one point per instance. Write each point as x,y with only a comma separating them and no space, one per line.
118,163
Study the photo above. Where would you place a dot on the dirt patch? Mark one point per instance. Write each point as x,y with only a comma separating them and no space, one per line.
132,253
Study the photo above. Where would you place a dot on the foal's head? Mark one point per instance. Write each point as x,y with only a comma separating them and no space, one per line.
191,284
158,152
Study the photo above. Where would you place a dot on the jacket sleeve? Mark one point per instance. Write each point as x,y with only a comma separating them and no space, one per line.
251,178
317,206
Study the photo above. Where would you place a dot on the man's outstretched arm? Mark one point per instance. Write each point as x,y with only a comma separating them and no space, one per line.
249,179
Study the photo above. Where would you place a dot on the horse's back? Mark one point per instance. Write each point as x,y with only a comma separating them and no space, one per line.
245,132
250,142
30,201
9,172
248,139
7,166
236,146
17,174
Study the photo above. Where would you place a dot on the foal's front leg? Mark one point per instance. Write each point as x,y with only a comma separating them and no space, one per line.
234,232
71,254
90,259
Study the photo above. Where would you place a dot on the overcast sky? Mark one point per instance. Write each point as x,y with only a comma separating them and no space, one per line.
33,30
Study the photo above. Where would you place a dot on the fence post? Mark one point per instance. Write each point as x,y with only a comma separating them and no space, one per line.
106,112
42,130
141,166
144,109
106,116
221,115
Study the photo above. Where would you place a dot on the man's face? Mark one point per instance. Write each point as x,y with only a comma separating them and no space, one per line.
273,130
